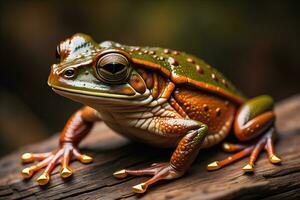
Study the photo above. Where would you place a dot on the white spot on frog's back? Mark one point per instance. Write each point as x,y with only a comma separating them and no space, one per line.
106,44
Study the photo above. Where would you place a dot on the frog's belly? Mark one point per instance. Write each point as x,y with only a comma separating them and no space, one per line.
144,136
147,137
218,117
215,134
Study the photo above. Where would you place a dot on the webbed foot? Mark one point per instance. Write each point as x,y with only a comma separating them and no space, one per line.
159,171
50,160
265,142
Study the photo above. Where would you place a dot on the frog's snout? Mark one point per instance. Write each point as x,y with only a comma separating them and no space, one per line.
51,75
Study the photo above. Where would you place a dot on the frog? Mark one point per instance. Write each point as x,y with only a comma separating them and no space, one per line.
157,96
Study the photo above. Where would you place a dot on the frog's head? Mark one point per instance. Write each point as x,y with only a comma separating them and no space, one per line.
92,72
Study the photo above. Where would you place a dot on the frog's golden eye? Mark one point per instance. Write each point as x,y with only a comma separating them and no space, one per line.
113,68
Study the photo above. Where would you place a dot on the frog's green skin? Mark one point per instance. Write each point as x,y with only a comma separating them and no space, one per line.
155,95
199,73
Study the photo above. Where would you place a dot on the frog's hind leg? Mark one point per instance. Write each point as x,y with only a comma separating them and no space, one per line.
185,153
253,118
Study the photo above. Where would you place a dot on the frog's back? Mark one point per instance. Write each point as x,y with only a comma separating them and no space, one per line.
182,68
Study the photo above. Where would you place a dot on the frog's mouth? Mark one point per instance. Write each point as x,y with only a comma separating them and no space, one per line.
88,97
109,94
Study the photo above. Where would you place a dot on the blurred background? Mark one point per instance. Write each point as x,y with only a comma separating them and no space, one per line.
254,45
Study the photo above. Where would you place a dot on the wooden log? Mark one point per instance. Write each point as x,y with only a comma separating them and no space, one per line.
112,152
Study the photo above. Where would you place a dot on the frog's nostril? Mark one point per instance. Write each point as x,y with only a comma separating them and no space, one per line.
114,67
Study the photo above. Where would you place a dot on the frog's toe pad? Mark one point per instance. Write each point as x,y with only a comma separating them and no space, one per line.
140,188
30,157
213,166
248,168
274,159
43,179
120,174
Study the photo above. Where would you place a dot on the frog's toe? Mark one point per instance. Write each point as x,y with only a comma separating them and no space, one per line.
265,142
229,147
159,171
154,168
29,171
213,166
66,171
44,178
120,174
30,157
82,157
230,159
248,168
274,159
50,160
165,172
140,188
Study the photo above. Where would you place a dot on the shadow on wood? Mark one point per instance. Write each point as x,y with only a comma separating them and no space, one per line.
112,152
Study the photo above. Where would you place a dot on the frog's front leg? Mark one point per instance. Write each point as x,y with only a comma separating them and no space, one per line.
78,126
253,118
185,153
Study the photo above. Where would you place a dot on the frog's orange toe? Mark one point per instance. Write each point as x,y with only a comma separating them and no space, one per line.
66,172
274,159
27,172
213,166
120,174
82,157
140,188
43,179
229,147
30,157
253,150
248,168
159,171
27,158
86,159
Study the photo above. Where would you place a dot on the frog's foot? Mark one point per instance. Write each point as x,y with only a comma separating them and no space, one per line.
50,160
265,142
159,171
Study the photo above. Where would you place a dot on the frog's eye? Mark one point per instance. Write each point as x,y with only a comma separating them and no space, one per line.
69,73
113,68
57,52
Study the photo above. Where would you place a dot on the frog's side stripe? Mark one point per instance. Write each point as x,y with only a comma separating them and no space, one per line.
178,79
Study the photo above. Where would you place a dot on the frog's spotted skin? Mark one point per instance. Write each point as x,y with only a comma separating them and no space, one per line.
182,68
157,96
179,66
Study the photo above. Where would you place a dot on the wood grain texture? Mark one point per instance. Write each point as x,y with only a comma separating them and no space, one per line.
112,152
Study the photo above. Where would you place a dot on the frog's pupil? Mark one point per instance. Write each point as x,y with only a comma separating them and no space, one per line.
113,67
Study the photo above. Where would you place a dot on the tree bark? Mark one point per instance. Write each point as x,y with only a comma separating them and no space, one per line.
112,152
